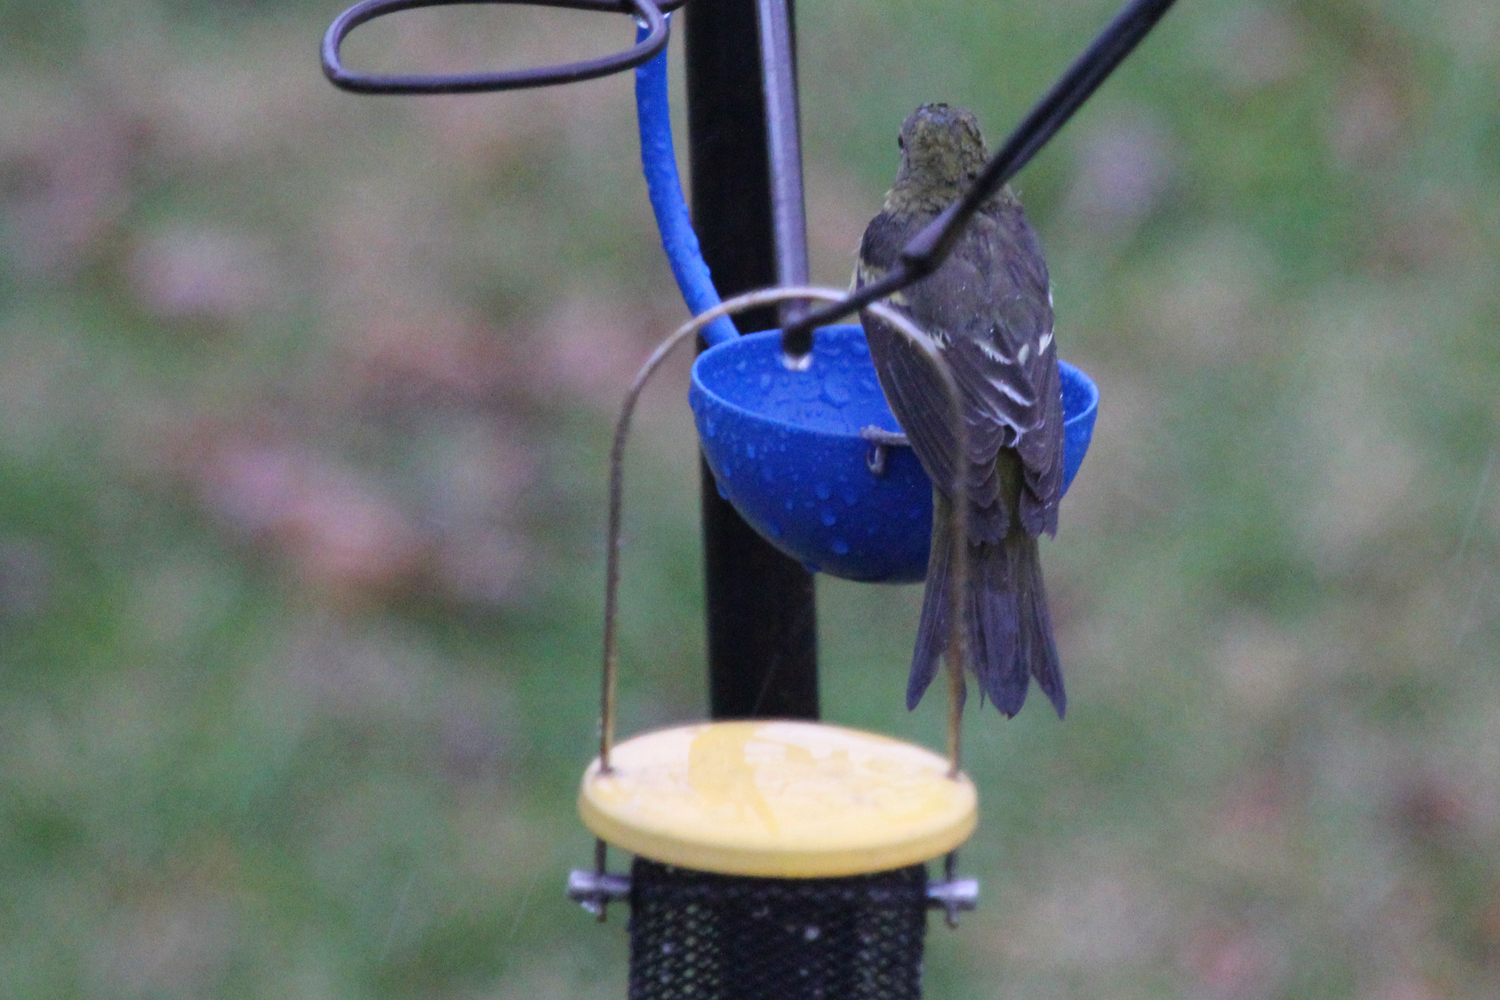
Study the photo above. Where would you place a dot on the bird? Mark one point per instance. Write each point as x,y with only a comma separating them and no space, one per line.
988,311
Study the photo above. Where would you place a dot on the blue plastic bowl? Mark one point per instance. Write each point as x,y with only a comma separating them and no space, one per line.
785,449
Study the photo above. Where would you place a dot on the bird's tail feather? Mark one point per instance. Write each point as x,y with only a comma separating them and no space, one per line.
1010,628
932,632
1038,648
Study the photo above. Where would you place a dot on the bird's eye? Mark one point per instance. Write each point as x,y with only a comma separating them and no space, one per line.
900,142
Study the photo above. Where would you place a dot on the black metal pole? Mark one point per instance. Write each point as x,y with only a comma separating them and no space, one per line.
762,620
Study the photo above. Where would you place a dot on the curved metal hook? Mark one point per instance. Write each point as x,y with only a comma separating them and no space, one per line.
645,11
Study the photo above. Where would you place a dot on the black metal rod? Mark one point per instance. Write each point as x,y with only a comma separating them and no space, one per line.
928,249
762,622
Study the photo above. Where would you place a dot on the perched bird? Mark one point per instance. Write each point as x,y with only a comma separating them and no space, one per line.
988,309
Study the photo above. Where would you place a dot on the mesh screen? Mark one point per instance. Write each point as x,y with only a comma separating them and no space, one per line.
720,937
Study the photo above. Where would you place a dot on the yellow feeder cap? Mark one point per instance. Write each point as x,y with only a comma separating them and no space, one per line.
777,798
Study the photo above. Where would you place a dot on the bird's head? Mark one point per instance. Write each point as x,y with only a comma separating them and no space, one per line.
942,151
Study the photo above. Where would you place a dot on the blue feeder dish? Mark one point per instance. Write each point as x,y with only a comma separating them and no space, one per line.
786,450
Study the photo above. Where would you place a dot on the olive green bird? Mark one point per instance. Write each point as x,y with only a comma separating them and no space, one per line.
988,309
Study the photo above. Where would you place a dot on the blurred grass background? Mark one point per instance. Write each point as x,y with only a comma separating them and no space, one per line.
304,401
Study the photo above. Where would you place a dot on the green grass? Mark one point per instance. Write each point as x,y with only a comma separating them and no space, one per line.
304,407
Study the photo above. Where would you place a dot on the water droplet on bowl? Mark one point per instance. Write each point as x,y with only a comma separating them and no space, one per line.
836,391
828,519
823,491
839,547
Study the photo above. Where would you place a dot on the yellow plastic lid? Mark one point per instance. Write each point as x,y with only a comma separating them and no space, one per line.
777,798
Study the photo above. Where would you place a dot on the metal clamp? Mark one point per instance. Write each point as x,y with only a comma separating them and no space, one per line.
881,441
594,890
953,895
646,12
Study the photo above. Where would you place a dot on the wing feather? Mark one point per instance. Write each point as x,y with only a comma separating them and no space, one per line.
989,308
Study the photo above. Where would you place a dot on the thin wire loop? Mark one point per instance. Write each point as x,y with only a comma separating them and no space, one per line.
958,565
645,11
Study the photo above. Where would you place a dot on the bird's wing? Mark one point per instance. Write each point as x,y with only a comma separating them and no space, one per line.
992,302
989,310
1042,450
912,386
915,392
